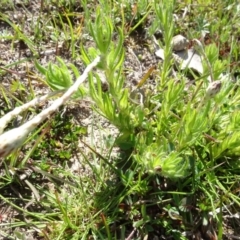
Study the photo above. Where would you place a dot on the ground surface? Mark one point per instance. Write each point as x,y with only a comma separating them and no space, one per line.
19,73
34,40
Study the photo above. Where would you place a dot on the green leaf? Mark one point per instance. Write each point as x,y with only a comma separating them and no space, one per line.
40,68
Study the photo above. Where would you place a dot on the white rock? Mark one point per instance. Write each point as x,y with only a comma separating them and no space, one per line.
185,59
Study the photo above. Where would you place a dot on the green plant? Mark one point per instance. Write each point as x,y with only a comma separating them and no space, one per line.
58,77
158,158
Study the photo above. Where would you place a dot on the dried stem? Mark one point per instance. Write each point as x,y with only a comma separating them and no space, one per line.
16,111
14,138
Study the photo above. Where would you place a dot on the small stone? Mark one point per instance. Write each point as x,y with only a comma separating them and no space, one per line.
18,16
179,43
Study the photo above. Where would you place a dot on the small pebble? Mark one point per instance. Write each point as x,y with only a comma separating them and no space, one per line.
179,43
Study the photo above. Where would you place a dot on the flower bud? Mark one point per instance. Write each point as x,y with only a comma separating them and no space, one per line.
213,89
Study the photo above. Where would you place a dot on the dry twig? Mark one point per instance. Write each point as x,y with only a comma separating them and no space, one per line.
14,138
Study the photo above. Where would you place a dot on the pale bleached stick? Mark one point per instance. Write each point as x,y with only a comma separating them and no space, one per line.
16,111
14,138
